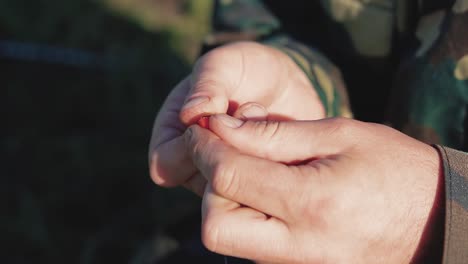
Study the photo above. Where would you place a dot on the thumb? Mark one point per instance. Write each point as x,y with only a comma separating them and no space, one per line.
288,141
203,100
211,85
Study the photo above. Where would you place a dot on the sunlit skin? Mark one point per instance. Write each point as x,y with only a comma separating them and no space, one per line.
325,191
246,80
370,195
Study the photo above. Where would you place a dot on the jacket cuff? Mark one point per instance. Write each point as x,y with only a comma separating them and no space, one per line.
456,215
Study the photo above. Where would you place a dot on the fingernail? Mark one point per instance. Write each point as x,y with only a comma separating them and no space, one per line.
229,121
195,102
254,111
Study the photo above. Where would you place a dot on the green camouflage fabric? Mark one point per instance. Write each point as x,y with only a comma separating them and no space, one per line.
431,90
405,59
237,20
375,35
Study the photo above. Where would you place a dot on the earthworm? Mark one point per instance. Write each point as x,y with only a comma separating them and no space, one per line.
204,122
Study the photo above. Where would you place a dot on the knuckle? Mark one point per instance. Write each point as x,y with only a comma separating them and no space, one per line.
224,178
210,233
274,138
314,203
342,127
338,125
189,138
272,129
199,149
315,210
306,205
268,133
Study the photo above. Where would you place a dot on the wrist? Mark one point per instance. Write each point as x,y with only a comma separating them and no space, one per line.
431,243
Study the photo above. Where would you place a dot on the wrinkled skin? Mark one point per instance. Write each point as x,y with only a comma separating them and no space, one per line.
364,193
246,80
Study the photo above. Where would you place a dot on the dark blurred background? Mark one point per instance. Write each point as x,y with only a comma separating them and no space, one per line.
81,82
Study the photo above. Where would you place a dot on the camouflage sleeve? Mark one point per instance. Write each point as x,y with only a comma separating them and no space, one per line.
430,103
430,96
251,20
456,217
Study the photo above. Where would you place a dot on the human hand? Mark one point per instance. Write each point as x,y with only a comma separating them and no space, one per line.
364,193
246,80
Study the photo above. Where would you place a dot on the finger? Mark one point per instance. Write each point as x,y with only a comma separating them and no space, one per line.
251,111
290,141
196,184
210,87
230,75
167,124
169,163
247,179
230,229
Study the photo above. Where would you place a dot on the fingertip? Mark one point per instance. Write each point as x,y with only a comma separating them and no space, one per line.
192,108
153,171
158,175
169,164
158,180
191,112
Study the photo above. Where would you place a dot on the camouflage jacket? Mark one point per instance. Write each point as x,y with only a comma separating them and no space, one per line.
404,63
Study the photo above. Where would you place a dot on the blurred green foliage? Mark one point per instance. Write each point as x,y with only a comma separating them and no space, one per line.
187,21
75,186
